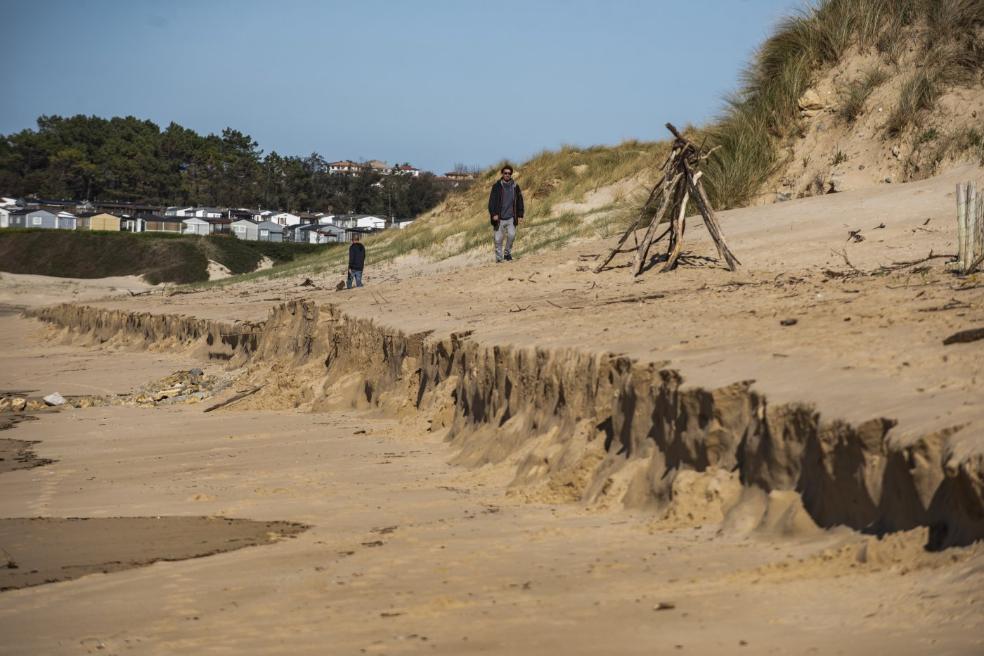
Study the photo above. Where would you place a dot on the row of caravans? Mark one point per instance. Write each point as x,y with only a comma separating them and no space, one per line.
328,230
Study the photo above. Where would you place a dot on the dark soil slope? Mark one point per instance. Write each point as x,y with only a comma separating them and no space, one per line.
159,258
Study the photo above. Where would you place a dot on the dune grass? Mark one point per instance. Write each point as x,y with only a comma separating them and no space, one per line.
857,92
764,112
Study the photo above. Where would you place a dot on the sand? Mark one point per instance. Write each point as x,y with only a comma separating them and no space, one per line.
406,553
417,544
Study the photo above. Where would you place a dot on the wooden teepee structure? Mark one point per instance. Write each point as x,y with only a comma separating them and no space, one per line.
679,185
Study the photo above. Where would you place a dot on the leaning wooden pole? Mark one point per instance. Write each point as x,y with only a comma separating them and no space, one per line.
669,191
971,237
678,228
710,220
961,227
980,235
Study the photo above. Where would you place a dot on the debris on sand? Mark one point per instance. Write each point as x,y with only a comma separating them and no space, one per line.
191,386
186,386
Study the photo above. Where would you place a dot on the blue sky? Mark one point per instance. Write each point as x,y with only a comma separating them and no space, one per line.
432,82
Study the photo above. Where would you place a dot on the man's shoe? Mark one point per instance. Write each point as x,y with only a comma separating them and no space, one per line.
508,258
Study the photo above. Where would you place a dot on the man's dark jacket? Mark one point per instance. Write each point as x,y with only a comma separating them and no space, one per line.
495,201
357,256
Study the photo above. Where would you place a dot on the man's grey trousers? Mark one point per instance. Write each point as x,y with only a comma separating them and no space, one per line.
507,228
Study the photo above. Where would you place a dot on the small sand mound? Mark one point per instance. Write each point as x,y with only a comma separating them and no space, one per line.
778,513
701,497
901,553
217,270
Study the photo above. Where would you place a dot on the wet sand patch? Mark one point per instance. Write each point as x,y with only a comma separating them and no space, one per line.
41,550
18,454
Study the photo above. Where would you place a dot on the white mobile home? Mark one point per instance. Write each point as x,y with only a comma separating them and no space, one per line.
245,229
196,226
370,222
284,218
67,221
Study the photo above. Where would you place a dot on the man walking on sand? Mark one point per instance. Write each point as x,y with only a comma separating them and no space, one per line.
357,260
506,211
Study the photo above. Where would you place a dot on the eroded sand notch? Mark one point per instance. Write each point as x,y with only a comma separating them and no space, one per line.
589,426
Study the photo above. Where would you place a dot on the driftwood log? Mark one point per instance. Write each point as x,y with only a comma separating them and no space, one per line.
680,184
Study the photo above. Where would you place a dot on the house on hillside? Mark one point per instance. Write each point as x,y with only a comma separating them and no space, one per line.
270,231
196,226
362,221
105,222
370,222
406,169
157,223
344,220
245,229
207,213
133,224
118,208
183,212
380,167
319,234
284,219
400,224
33,218
67,221
343,167
310,217
253,231
240,213
206,226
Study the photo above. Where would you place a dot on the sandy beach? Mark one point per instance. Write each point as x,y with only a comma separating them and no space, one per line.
389,499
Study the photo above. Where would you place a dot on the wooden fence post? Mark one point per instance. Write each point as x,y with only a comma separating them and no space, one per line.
971,213
961,226
979,237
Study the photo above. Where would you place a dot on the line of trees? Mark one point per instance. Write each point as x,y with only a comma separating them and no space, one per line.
128,159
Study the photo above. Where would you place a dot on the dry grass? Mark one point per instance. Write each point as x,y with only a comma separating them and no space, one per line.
765,112
857,92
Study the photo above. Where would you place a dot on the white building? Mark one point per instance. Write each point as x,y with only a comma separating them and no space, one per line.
67,221
196,226
406,169
284,219
179,211
206,213
343,167
370,222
